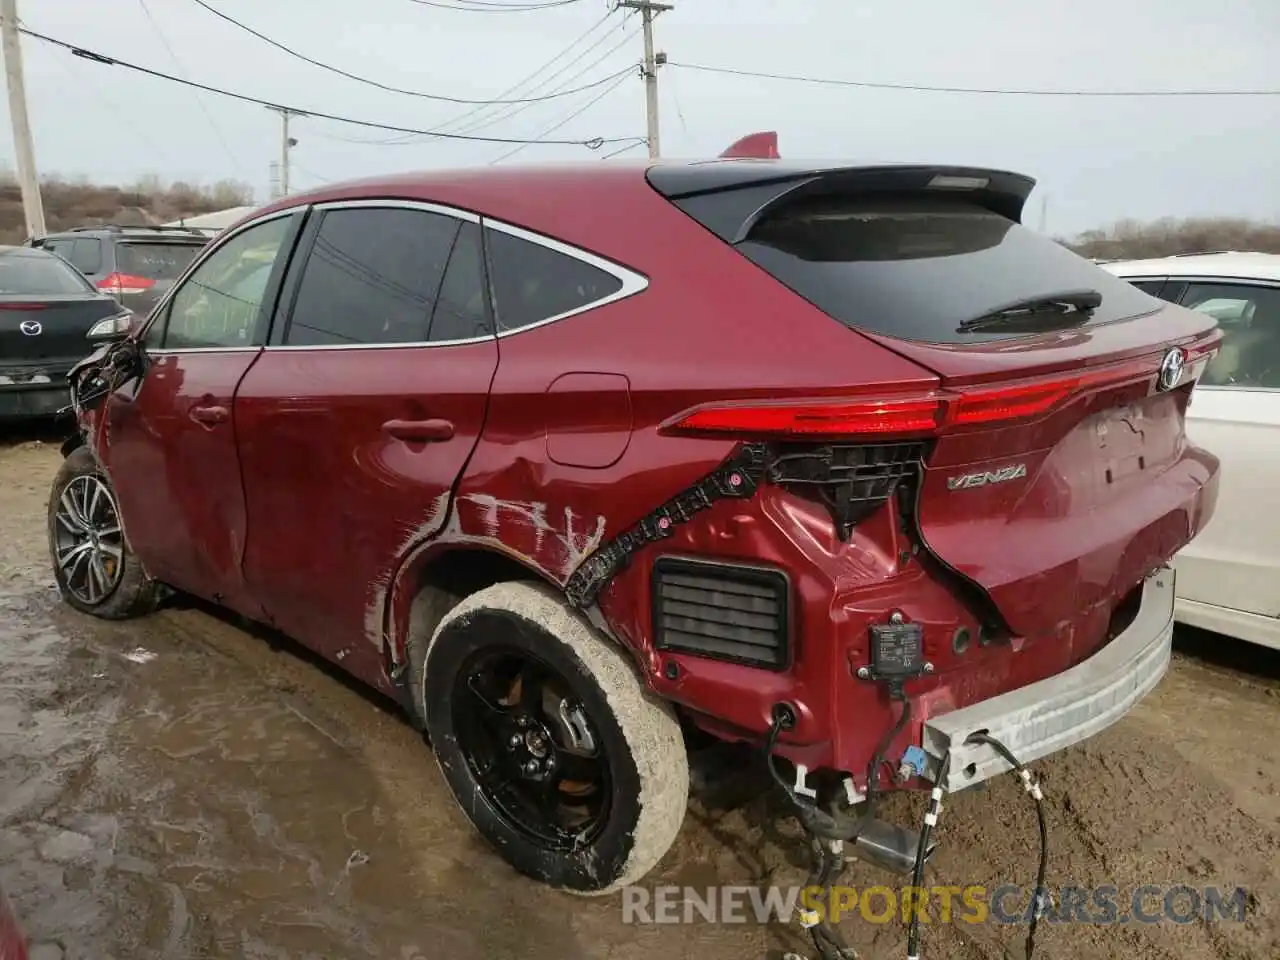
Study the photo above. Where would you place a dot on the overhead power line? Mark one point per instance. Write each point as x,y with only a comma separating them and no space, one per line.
556,126
592,144
468,114
504,114
1003,91
375,83
496,112
481,6
471,119
217,130
639,142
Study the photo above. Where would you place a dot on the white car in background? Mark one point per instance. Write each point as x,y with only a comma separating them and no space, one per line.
1229,576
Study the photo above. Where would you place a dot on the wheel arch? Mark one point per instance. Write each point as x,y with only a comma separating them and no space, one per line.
72,444
445,575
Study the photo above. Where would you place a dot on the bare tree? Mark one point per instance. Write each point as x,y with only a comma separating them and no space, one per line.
1131,240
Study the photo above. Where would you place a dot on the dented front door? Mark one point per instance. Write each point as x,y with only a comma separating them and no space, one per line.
169,439
360,415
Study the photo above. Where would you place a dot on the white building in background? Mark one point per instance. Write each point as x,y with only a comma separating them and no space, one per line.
212,223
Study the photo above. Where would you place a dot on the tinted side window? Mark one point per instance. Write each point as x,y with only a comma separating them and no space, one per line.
460,309
1152,287
532,283
1249,317
218,305
372,276
86,255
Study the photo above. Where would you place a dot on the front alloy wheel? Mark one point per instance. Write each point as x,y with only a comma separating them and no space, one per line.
88,541
93,564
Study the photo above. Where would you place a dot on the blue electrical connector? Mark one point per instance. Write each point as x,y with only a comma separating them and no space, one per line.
915,758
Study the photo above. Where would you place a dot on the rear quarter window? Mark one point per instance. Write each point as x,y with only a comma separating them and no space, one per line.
532,282
86,255
916,268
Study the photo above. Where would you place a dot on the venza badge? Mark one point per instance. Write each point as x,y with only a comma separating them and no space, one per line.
1171,368
983,478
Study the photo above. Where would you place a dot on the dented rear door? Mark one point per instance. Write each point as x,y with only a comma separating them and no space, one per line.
362,412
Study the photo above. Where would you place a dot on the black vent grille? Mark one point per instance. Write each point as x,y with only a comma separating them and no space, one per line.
723,611
851,479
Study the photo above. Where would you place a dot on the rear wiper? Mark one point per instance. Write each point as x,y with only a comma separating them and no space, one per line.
1074,305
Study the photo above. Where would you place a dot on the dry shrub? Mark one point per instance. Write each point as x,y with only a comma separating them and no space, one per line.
76,203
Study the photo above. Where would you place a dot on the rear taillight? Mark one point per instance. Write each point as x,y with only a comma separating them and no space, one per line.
906,415
119,284
23,306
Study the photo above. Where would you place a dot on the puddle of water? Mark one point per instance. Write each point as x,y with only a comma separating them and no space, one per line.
197,807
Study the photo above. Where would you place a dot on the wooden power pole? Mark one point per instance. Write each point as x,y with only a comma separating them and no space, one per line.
23,145
648,11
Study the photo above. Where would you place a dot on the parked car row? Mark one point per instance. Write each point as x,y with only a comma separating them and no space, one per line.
57,288
136,265
841,461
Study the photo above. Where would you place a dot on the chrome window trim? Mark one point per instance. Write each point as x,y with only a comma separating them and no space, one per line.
184,350
1215,280
632,281
393,204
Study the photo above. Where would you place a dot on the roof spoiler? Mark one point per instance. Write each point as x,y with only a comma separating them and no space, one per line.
754,146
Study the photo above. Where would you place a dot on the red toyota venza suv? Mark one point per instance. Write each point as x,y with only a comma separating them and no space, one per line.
577,461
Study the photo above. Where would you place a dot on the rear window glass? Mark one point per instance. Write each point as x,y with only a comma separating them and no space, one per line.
917,268
39,275
157,261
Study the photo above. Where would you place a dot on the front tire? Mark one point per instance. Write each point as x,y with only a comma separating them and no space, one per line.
550,743
96,571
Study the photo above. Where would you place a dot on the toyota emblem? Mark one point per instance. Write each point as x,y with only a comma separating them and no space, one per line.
1171,368
31,328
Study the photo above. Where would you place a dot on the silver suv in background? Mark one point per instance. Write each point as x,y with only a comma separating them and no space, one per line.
136,265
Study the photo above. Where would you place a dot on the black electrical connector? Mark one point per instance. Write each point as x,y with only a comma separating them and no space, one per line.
1040,897
931,818
829,829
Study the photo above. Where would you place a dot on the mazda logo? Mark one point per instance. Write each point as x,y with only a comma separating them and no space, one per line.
1171,369
31,328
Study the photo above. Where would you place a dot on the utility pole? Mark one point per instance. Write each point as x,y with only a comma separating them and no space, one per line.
23,145
649,10
286,143
1044,212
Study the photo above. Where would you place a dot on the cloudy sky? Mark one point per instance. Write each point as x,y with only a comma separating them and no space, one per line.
1097,159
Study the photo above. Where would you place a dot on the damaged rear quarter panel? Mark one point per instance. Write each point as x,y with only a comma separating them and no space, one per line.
709,327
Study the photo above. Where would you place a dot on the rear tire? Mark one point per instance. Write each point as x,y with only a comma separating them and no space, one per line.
612,768
99,573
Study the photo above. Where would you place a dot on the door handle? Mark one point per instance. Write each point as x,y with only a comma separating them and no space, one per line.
209,415
421,431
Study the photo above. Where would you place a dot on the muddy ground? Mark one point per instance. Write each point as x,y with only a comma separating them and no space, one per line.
178,788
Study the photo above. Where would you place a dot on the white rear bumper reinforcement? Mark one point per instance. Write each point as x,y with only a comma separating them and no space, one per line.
1052,714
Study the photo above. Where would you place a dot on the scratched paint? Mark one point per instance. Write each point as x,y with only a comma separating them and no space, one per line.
553,541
